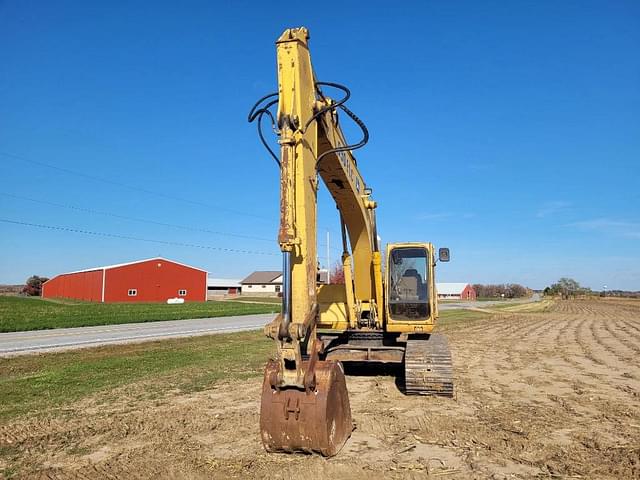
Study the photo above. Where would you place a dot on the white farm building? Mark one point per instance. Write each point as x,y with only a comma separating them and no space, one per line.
270,282
262,283
455,291
217,287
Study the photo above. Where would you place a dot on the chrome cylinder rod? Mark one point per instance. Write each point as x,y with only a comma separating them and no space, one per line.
286,296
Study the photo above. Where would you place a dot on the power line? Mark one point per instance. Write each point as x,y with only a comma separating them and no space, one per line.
131,187
128,237
141,220
134,187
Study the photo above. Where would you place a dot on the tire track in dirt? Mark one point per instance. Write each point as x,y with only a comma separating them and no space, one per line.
584,344
571,338
535,398
614,330
545,328
523,328
611,353
600,368
561,334
496,323
577,370
611,361
633,330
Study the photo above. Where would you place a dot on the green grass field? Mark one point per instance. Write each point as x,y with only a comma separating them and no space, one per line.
242,298
451,319
35,384
29,313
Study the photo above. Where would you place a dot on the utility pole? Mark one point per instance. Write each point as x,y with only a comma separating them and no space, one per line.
328,260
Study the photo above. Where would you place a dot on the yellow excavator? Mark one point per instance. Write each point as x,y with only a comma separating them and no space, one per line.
378,315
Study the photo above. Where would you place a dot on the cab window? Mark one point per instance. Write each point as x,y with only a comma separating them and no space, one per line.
408,282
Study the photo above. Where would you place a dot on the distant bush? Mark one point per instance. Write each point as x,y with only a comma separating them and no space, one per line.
33,287
509,290
11,289
620,293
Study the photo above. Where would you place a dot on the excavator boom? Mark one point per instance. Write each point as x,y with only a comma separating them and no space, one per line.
305,404
371,318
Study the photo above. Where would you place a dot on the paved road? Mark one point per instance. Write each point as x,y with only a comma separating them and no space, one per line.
19,343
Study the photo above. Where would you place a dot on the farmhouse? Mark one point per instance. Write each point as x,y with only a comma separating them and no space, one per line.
456,291
270,282
262,283
152,280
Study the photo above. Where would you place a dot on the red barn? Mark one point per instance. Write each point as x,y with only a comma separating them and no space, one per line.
153,280
457,291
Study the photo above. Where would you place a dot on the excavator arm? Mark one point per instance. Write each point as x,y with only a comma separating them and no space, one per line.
313,147
305,404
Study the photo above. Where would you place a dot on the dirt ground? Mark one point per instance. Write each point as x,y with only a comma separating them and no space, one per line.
552,394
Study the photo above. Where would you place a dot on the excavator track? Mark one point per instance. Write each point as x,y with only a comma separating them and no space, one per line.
428,368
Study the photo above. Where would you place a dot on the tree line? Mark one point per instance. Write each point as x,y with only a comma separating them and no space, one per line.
502,290
568,287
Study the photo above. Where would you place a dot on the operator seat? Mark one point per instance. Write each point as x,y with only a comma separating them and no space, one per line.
408,288
420,288
410,284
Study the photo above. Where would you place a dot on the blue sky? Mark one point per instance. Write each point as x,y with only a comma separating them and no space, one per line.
508,131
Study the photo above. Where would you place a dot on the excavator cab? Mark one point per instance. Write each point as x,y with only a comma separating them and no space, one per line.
411,303
408,280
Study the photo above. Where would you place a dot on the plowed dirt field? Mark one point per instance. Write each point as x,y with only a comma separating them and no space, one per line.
547,394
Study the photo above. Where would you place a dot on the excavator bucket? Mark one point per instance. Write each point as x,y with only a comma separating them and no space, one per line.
313,420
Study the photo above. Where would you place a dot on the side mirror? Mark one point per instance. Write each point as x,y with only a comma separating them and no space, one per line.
443,254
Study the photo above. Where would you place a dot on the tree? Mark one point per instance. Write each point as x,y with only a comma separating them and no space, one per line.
33,287
569,285
337,274
514,290
566,287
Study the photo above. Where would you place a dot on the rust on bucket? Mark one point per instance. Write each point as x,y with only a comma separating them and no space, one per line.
316,419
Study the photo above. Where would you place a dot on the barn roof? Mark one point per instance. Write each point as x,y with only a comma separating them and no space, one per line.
116,265
262,277
450,288
223,282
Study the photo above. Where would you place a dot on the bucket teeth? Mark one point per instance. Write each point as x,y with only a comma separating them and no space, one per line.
428,367
294,420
